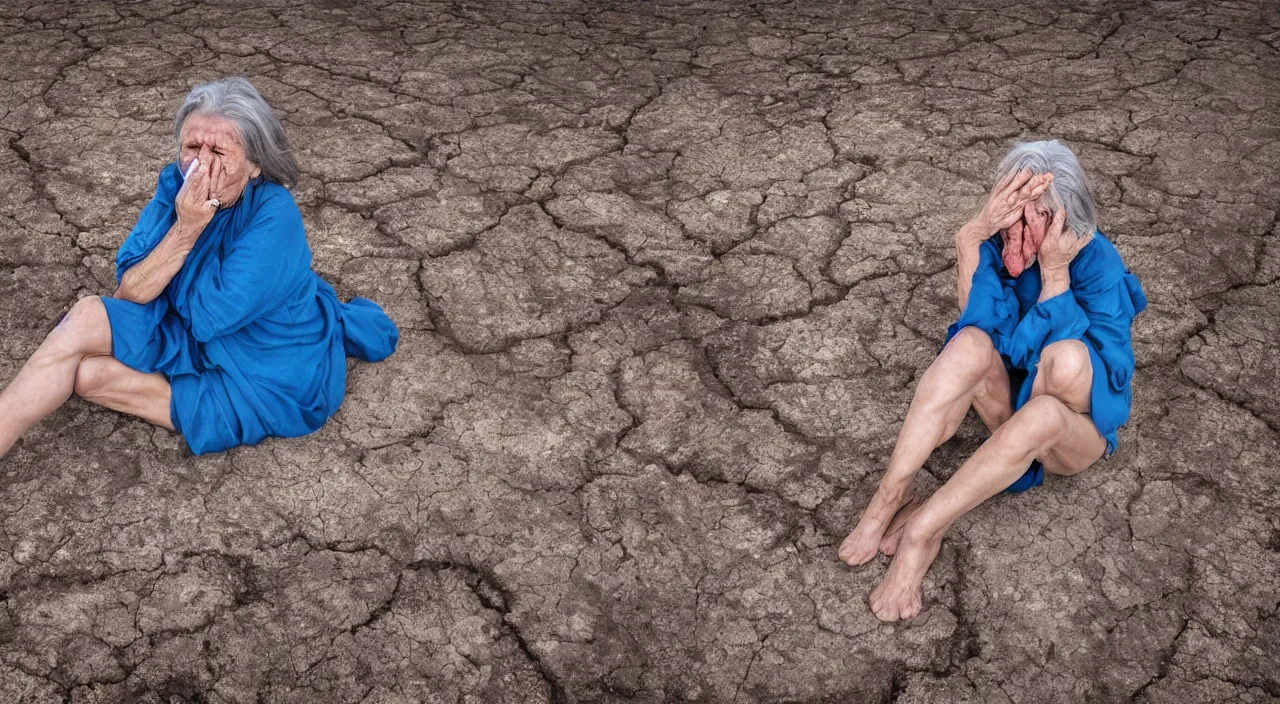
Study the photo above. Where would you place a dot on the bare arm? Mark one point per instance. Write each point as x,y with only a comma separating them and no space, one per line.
968,243
1054,283
147,280
144,282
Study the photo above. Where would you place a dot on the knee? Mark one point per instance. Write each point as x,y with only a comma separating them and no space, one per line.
972,344
88,312
83,329
1038,422
92,377
1064,367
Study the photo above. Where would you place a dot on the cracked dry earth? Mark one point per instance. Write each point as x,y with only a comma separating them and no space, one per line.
667,274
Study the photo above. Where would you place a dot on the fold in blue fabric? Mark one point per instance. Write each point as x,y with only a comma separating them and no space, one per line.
1098,310
252,340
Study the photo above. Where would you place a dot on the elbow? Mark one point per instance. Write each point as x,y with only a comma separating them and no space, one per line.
124,293
130,290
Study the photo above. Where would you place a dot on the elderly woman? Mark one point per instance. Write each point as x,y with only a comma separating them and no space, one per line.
219,328
1042,351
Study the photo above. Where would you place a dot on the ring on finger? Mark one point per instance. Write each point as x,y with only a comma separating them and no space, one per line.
215,203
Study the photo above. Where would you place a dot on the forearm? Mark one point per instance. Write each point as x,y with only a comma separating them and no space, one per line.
968,257
148,279
1054,282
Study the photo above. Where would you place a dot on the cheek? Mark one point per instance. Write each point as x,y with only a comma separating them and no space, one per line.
235,175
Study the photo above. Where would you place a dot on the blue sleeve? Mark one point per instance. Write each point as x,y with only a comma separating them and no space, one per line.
1053,320
992,305
153,224
256,273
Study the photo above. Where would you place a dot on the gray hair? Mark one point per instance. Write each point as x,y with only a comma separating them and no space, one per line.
1070,188
261,133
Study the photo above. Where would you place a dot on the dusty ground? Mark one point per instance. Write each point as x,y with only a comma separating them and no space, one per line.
666,276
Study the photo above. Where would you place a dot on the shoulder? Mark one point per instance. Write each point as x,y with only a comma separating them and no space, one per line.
168,184
272,205
267,218
272,197
1098,266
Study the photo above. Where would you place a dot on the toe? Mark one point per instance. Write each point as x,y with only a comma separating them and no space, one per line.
911,611
889,545
846,547
887,613
854,555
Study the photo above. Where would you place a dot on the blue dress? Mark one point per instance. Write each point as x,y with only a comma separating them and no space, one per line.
252,341
1098,310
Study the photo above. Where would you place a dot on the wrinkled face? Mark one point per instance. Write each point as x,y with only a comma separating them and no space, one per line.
216,142
1023,238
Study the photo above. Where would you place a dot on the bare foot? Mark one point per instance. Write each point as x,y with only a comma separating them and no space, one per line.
893,534
862,543
898,596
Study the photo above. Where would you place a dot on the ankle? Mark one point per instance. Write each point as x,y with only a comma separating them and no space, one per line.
920,530
895,488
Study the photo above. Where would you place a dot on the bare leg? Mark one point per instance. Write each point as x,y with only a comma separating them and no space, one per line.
47,379
108,382
968,372
893,534
1065,440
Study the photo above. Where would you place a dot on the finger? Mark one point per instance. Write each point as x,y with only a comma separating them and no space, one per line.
1034,186
1059,219
215,181
1018,200
206,163
1040,185
1017,182
1004,182
197,186
207,183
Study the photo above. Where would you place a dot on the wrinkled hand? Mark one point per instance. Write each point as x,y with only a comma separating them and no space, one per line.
194,203
1060,246
1005,204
